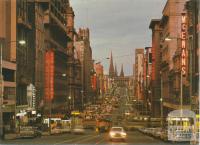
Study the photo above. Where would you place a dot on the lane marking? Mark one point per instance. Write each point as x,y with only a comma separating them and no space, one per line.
80,141
69,140
100,141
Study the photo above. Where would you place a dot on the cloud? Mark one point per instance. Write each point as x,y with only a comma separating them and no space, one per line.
117,25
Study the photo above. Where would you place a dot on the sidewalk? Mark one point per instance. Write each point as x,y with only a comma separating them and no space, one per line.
10,136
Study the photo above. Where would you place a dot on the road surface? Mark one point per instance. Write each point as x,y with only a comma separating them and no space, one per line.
90,137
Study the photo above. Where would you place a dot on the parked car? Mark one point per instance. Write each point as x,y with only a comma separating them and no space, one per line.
164,135
29,131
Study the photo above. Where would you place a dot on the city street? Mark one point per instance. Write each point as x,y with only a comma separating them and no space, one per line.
99,72
134,137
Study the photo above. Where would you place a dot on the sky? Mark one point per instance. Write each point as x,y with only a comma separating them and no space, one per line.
119,26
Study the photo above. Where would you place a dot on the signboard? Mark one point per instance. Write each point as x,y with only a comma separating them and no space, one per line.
31,94
49,75
183,43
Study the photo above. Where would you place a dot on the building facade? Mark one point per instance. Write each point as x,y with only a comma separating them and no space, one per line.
139,57
171,57
84,51
156,60
193,30
8,46
99,74
147,79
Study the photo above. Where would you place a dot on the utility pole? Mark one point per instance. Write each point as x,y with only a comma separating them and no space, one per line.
1,95
161,99
181,94
82,91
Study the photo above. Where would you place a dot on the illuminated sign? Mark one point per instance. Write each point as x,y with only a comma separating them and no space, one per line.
49,75
183,44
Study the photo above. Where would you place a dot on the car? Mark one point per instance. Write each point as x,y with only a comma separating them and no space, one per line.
117,133
78,129
28,131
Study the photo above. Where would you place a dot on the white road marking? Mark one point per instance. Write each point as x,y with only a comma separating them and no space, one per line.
80,141
73,139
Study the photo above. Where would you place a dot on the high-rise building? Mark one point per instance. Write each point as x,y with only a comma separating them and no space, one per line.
174,87
193,28
139,57
74,66
156,59
99,79
84,51
8,46
56,55
147,79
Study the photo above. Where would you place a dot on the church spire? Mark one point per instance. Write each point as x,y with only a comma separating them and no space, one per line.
116,73
111,68
122,71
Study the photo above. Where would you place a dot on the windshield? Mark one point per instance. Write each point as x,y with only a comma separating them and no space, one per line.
117,129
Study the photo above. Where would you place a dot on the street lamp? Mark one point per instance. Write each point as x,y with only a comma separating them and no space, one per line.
82,99
69,102
147,93
21,42
161,100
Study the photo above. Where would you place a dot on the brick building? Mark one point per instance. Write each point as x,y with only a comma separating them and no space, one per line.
156,59
84,51
139,57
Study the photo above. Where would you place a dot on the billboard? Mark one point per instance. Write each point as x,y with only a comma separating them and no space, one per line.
49,75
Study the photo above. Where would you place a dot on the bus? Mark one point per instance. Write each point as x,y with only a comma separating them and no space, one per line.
181,125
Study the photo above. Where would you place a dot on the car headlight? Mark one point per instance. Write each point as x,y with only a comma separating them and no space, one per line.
123,134
112,133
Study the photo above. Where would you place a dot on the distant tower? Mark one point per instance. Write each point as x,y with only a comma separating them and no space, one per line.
111,68
116,73
122,71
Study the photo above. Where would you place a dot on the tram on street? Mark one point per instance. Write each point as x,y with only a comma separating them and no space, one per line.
181,125
66,126
77,122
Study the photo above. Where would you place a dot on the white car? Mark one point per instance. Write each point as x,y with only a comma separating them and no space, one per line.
117,133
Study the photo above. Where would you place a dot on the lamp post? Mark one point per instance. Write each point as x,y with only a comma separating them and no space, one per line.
69,102
161,99
183,61
82,95
1,96
147,93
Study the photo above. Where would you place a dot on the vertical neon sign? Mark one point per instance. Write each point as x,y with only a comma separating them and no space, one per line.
183,44
49,75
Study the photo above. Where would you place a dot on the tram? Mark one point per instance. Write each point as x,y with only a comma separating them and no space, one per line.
181,125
